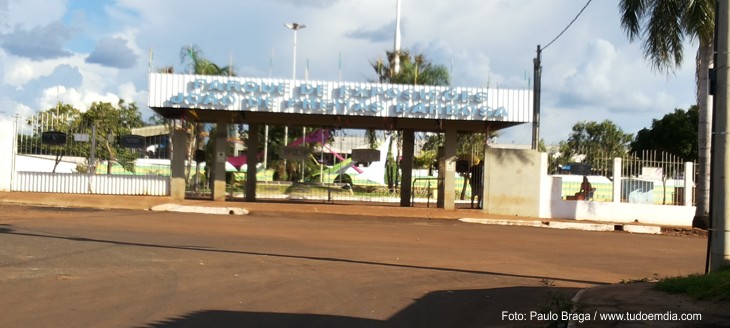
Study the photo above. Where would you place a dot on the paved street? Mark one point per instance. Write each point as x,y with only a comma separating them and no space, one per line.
122,268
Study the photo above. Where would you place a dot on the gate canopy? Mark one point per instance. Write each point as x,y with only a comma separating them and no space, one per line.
207,98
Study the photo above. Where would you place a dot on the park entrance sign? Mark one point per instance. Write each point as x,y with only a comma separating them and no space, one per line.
341,105
339,98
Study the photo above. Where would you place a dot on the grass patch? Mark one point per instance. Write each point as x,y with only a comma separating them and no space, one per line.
714,286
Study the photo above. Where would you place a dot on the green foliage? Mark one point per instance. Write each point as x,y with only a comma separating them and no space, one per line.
471,144
714,286
111,122
416,70
192,57
594,141
663,25
675,133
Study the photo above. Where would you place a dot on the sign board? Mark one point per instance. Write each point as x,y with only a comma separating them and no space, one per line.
132,141
652,173
81,137
365,155
53,138
462,166
295,153
220,157
205,92
580,169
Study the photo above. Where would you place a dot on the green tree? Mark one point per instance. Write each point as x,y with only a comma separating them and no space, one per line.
62,118
662,25
111,122
675,133
195,62
414,70
470,147
592,143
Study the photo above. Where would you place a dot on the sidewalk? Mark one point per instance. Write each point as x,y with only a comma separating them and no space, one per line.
343,208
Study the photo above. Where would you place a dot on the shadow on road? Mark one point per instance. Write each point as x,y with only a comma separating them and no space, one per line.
452,308
10,231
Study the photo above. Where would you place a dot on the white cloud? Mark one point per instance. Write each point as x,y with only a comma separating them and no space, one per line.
31,13
589,73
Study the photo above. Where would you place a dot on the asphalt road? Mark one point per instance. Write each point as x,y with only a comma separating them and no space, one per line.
120,268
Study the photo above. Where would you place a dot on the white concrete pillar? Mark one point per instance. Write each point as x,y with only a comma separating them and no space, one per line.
688,183
617,180
7,153
447,171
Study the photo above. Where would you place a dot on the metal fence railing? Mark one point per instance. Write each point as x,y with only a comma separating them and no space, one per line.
649,177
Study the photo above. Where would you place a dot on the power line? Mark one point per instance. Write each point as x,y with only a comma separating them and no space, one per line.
569,24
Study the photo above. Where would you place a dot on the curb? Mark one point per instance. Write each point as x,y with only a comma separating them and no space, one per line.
586,226
199,209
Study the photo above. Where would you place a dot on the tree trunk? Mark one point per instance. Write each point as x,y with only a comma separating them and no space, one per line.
704,130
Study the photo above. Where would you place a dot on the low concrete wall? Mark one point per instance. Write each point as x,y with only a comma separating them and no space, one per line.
553,206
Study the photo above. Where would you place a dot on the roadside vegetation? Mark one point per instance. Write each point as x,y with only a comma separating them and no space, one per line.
714,286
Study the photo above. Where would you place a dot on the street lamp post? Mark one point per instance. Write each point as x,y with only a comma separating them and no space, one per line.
294,27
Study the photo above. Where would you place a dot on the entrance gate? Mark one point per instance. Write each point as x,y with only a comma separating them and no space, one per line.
334,106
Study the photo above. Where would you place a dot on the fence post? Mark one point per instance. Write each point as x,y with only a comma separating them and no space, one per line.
617,180
688,183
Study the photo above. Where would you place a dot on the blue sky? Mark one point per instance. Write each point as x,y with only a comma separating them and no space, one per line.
89,50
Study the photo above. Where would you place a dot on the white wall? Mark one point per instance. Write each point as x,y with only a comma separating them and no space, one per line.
553,206
7,133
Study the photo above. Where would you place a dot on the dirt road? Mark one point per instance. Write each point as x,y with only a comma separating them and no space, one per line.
119,268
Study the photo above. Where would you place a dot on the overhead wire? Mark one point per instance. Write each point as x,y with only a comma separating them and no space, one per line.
569,24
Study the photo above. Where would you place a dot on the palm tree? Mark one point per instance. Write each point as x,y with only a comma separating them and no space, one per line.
662,25
416,70
192,57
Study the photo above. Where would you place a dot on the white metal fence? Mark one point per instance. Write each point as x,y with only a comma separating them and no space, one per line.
75,183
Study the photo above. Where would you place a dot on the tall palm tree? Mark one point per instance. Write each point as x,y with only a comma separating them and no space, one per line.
414,70
662,26
192,57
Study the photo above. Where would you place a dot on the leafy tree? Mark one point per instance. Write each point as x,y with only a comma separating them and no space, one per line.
663,25
591,142
675,133
112,122
62,118
469,146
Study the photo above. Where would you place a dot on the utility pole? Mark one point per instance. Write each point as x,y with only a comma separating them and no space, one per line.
537,70
720,200
396,39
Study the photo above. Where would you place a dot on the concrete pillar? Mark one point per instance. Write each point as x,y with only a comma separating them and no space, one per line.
251,160
406,167
688,183
219,161
177,164
447,170
720,202
617,180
